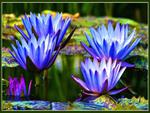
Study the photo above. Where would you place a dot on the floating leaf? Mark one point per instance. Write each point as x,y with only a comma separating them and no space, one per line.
140,103
140,62
7,59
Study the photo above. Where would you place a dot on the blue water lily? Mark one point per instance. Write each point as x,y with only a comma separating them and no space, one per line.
40,46
100,77
42,25
39,53
108,42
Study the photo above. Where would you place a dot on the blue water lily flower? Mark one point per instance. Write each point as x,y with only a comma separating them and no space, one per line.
42,25
42,43
39,53
115,43
100,77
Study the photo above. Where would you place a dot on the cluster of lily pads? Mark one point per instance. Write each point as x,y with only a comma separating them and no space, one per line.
43,39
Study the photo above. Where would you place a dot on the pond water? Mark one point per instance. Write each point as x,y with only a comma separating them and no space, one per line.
60,87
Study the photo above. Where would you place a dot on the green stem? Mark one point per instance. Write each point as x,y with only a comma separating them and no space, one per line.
130,90
45,74
37,83
37,80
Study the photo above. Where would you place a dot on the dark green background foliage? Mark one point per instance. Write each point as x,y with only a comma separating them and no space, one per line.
135,11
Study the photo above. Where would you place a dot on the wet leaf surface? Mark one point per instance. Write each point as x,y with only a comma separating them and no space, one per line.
101,103
7,59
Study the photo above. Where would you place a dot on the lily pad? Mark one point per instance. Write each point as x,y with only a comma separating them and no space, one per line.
134,103
140,103
26,105
139,57
7,59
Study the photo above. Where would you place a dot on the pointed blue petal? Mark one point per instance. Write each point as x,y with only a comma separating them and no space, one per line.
18,57
110,29
112,51
21,32
27,25
131,48
80,82
105,48
97,82
84,73
92,77
50,28
99,49
118,76
89,50
47,59
121,52
63,30
53,58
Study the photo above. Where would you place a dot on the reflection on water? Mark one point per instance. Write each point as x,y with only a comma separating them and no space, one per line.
60,87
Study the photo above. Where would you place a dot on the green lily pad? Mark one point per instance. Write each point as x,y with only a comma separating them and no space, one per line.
140,103
7,60
134,103
139,57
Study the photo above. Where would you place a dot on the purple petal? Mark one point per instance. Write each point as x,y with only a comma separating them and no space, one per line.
105,86
117,91
80,82
29,87
89,50
125,64
22,85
